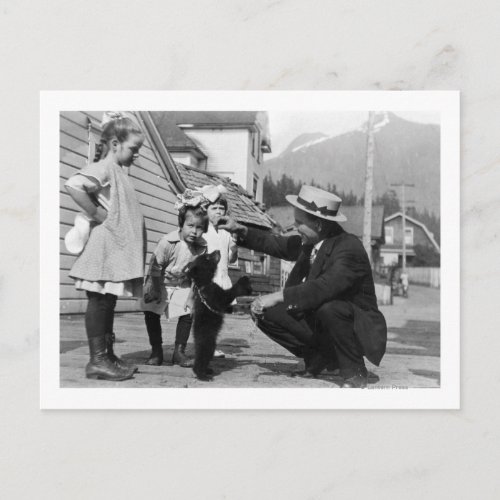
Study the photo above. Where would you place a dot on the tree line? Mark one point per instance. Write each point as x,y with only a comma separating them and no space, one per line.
274,195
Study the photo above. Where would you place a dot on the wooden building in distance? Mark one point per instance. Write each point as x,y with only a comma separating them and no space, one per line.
416,233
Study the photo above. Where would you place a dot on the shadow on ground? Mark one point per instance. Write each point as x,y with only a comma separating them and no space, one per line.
419,338
428,374
70,345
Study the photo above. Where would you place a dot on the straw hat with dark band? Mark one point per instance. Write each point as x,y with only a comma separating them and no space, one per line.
318,202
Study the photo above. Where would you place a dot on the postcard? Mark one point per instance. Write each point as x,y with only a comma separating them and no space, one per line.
314,236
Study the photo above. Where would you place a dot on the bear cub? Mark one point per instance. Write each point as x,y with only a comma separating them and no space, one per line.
210,304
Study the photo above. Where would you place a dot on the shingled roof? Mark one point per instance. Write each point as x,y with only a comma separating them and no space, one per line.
240,203
171,123
172,135
213,117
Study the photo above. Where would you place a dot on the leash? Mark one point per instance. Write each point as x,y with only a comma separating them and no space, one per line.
204,301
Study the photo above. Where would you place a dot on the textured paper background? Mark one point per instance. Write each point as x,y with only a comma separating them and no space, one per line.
233,44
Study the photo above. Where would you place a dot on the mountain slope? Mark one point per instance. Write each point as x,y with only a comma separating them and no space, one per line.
404,151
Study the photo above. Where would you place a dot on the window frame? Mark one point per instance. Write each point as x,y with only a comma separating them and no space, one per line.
411,234
389,241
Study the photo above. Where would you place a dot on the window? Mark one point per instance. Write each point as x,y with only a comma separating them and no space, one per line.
258,267
389,235
235,264
409,235
255,186
259,264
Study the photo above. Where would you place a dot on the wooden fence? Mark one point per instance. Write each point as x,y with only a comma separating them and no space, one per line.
428,276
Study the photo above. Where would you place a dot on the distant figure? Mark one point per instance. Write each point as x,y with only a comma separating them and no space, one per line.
393,281
404,283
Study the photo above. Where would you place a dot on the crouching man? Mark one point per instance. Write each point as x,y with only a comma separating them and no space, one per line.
327,313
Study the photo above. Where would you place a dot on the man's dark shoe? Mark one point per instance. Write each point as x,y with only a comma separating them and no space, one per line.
357,382
373,378
314,363
332,368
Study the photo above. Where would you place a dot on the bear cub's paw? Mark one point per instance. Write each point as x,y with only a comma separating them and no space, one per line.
244,286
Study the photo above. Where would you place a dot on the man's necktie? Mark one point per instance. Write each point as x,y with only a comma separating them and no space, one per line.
313,255
306,262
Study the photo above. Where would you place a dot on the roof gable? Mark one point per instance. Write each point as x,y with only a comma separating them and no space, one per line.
211,118
170,124
417,223
171,134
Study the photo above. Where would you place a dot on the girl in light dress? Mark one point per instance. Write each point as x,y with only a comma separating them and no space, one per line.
111,263
219,239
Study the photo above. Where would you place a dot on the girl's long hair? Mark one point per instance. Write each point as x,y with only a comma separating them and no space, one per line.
120,128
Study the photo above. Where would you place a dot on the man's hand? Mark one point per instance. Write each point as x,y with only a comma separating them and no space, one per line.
230,225
260,304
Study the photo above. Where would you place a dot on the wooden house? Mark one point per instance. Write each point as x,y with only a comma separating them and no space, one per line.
228,143
416,233
157,179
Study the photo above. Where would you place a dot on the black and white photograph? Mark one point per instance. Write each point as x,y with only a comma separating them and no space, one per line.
253,241
250,249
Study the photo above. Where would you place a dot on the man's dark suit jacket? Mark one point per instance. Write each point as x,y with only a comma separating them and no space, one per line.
340,271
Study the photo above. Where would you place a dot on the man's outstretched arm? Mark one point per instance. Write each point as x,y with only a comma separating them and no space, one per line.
282,247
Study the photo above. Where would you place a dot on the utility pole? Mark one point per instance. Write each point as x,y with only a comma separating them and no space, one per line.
367,220
402,185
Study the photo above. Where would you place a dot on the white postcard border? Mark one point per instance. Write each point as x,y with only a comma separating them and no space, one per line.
447,396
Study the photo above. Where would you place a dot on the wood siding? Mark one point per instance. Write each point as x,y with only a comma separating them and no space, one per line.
419,235
152,187
227,152
261,283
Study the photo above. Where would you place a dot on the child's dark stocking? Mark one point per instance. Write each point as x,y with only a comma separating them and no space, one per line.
110,340
97,320
181,337
153,326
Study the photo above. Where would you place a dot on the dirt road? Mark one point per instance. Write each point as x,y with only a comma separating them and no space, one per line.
252,360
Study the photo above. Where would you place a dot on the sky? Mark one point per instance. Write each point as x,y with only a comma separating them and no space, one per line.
285,126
